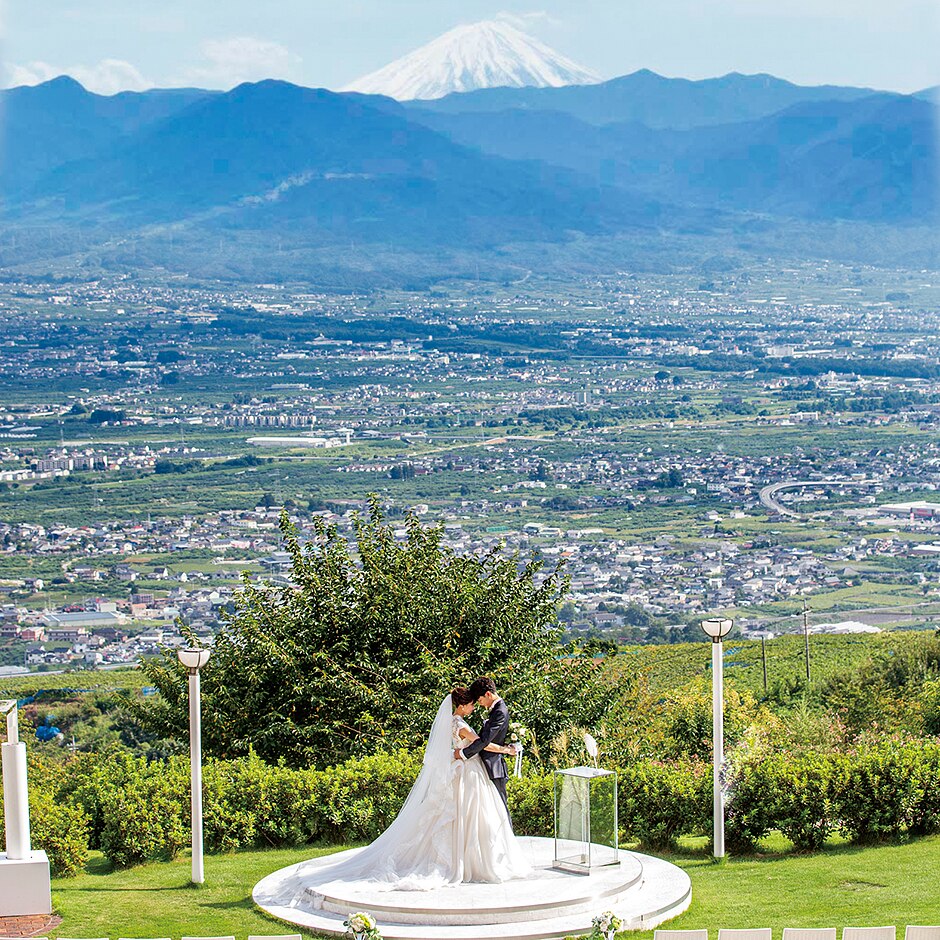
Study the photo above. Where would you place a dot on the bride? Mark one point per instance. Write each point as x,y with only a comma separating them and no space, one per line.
453,826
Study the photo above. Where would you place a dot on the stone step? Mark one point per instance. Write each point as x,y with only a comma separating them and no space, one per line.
643,890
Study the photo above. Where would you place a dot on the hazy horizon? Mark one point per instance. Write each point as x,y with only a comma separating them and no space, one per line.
111,47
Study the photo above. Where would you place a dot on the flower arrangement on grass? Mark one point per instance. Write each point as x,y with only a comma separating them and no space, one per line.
362,926
605,925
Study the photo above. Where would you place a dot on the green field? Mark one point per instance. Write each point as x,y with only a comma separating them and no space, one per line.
842,886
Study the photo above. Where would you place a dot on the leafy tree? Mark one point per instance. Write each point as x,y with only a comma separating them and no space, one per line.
169,355
101,415
670,479
354,656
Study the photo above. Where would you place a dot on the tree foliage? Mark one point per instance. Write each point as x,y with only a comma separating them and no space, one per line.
354,654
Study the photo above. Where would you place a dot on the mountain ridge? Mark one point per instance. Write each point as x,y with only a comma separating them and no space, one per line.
652,99
272,164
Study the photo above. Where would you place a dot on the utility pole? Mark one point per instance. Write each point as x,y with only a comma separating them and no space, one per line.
806,640
763,657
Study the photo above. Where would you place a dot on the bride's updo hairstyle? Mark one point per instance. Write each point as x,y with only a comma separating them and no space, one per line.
461,696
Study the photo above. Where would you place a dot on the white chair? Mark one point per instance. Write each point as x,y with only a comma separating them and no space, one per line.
680,935
921,933
869,933
757,933
809,933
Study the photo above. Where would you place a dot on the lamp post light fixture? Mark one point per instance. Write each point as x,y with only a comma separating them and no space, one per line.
194,660
716,629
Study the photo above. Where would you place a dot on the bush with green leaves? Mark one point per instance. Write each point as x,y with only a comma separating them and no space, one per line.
798,794
882,788
58,829
662,800
532,804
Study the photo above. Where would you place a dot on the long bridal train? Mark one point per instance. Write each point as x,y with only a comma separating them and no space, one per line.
643,890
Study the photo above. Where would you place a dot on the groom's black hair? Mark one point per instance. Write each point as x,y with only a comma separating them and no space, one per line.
479,687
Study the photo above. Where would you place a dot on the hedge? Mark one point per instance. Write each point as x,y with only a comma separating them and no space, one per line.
134,811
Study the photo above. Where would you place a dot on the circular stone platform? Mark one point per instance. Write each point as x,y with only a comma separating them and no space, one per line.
643,890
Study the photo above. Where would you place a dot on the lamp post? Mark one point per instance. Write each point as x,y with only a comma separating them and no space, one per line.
194,660
716,630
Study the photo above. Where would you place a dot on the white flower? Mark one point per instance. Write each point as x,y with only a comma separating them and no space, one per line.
362,923
605,922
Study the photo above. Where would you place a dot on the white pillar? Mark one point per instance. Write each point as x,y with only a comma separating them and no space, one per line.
718,732
195,759
15,801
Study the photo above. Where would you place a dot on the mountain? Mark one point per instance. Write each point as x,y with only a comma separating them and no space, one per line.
274,157
875,158
652,99
271,179
489,54
48,124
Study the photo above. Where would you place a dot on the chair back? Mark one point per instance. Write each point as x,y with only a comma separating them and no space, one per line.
680,935
810,933
755,933
921,933
869,933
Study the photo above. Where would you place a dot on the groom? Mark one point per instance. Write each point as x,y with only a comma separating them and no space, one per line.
494,731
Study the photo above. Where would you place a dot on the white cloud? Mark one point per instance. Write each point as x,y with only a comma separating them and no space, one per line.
228,62
529,20
106,77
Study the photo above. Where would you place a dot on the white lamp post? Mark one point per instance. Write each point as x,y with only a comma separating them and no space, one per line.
194,660
716,630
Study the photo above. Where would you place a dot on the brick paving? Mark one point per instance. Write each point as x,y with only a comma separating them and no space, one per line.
31,925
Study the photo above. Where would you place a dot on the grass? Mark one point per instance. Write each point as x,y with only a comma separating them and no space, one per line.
842,886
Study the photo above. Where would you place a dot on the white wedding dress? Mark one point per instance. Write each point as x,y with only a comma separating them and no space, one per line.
452,828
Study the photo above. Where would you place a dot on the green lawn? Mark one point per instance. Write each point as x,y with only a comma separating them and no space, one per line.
843,886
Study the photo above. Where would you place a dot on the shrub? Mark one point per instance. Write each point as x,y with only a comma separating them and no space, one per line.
879,792
59,829
797,794
925,811
228,821
361,797
661,801
147,818
532,804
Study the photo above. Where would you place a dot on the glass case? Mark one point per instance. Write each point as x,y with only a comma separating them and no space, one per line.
585,819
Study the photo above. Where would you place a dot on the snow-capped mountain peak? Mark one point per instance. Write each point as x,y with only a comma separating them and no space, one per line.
488,54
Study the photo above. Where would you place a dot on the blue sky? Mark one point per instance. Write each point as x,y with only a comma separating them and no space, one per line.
116,44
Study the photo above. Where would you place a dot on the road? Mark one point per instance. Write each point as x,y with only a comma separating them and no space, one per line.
768,493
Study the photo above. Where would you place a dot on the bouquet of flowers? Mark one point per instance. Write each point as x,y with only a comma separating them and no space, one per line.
362,926
519,735
605,926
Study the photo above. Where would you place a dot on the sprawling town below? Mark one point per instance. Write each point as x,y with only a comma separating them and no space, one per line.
760,443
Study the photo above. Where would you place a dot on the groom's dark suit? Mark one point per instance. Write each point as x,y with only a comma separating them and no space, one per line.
494,731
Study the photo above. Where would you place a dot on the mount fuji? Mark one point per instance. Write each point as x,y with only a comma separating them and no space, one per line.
489,54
